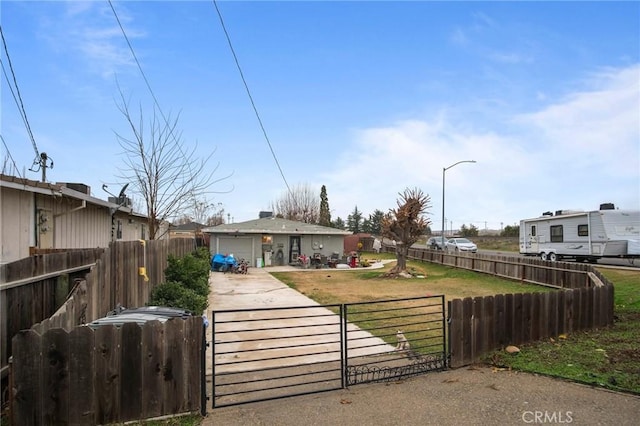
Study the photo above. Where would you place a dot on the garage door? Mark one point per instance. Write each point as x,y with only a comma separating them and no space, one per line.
240,247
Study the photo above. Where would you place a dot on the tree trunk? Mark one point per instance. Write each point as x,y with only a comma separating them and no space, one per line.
402,252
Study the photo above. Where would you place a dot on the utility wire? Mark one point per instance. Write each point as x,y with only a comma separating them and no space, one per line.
253,105
146,81
17,97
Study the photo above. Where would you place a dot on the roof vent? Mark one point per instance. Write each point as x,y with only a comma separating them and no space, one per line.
264,215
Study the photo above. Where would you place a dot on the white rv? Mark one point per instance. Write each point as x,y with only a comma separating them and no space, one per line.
583,236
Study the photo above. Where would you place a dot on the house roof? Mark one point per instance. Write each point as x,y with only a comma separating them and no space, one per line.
56,190
273,225
190,226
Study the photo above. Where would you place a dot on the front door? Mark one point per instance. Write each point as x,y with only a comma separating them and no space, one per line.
294,249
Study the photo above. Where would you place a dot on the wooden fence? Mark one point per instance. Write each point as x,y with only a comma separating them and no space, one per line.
108,375
32,289
584,300
64,290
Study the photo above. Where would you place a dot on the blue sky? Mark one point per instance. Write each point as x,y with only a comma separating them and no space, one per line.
367,98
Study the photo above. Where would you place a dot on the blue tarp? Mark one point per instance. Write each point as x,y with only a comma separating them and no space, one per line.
220,262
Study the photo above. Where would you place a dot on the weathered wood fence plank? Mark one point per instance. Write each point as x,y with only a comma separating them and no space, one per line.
482,324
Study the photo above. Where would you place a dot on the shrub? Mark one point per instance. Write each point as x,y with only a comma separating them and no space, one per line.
187,283
176,295
191,270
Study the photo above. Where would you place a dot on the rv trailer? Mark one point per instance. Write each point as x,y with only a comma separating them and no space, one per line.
585,236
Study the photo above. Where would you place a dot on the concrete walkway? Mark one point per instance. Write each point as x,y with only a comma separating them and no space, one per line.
258,289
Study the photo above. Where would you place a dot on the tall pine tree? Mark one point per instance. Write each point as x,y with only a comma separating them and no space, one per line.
325,215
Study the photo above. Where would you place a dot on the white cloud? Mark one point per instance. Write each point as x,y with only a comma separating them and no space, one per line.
597,127
576,153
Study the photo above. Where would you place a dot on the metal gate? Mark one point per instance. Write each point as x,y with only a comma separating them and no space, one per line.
270,353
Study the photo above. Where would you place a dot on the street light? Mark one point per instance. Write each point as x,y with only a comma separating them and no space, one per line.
444,170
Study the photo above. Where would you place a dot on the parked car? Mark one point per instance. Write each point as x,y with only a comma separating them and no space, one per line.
460,244
436,243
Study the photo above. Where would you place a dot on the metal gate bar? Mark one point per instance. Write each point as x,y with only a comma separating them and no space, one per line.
271,353
425,346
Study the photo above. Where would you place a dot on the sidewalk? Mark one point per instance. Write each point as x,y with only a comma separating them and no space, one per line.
466,396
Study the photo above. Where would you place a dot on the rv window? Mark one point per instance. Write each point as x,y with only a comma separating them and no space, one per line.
556,234
583,230
533,230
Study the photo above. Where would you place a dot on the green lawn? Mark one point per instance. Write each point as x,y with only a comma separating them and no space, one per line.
608,357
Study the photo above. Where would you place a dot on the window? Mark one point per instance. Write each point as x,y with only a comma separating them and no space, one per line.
533,230
267,239
119,230
583,230
556,234
143,232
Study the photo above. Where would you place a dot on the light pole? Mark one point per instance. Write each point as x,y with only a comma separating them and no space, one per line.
443,171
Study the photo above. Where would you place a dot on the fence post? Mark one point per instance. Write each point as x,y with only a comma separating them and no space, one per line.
203,369
344,367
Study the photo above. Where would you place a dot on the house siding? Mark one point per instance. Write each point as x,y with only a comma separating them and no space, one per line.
49,216
16,217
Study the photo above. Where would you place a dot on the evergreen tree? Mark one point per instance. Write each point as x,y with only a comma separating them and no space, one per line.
354,221
338,223
325,215
510,231
375,222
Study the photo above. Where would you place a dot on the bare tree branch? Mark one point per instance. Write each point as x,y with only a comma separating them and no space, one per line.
301,204
168,175
406,224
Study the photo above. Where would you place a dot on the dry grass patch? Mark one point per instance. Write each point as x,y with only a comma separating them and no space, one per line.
329,286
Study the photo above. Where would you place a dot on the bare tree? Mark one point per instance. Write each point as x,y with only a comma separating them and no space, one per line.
406,225
165,173
300,203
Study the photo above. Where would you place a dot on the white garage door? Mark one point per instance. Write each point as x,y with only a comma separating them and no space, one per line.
240,247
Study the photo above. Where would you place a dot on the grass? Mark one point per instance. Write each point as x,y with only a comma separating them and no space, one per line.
330,287
327,286
608,357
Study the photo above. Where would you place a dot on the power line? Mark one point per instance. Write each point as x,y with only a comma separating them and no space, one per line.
146,81
246,86
17,96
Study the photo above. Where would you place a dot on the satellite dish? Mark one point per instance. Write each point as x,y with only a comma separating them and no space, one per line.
124,188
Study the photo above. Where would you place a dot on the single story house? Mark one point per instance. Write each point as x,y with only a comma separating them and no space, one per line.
51,216
272,241
191,230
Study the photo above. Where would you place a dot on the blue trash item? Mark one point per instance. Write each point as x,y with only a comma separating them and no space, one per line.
222,263
218,261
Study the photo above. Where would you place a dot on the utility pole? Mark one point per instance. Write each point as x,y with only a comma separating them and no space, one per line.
43,162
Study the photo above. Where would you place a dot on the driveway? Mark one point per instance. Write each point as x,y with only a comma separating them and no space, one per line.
465,396
258,289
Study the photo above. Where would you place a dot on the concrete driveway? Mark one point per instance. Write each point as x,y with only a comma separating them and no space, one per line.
258,289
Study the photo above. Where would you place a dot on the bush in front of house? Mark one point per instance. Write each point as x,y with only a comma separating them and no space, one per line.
176,295
191,270
187,283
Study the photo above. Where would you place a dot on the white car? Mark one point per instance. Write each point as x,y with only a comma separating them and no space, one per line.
460,244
